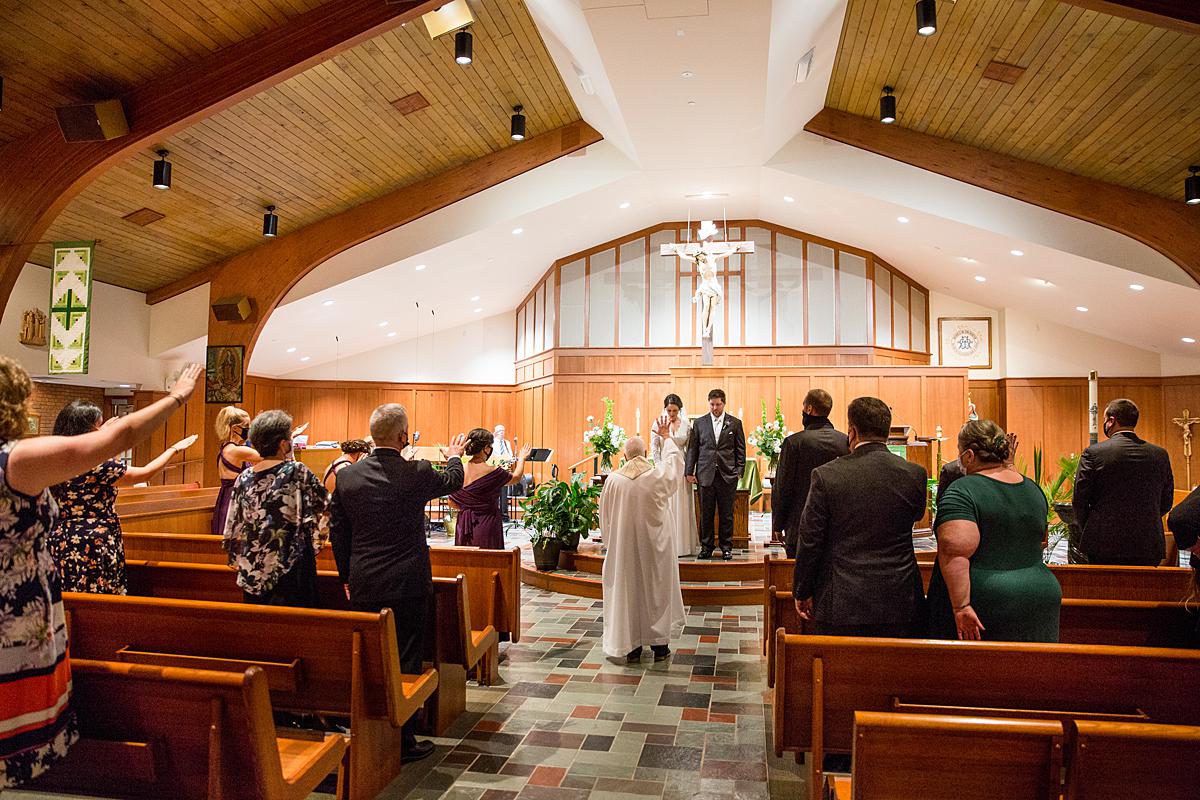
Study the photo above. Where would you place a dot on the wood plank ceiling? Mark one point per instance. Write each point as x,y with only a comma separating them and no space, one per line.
327,140
1101,97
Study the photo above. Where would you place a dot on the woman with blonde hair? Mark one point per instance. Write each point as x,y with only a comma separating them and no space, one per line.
234,455
37,725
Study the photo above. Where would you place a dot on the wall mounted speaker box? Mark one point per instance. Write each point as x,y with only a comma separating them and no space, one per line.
92,122
232,309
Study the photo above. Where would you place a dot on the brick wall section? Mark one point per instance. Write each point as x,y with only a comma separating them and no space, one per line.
49,398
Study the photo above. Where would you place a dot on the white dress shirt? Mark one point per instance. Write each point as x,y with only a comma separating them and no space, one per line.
718,423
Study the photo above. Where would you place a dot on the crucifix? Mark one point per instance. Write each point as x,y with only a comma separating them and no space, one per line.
1186,422
705,256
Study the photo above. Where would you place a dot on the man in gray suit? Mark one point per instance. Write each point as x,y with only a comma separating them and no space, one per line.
856,573
716,458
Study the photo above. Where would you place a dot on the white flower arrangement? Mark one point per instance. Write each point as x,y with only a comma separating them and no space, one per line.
606,439
768,437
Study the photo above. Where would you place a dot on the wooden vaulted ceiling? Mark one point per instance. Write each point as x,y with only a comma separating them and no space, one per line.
1099,96
318,144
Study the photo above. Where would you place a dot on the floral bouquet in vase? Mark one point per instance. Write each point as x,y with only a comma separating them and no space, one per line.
606,439
768,437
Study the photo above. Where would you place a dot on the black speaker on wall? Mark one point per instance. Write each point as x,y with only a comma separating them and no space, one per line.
232,309
92,122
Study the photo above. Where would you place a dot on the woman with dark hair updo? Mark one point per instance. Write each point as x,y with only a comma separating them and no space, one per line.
989,581
86,542
478,500
353,451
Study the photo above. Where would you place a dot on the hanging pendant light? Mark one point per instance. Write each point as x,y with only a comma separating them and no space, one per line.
926,17
162,171
518,124
887,106
1191,186
463,47
270,223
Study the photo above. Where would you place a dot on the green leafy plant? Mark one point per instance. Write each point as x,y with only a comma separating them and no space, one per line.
606,439
768,437
1058,488
559,509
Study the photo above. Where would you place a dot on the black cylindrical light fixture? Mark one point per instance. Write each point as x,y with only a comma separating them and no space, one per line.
887,106
926,17
270,223
463,47
162,171
518,124
1191,186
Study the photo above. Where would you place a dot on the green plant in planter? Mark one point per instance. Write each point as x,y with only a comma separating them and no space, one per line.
1058,488
562,511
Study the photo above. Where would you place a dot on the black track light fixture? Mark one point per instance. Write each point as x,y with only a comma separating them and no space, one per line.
1191,186
463,47
887,106
926,17
518,124
162,171
270,223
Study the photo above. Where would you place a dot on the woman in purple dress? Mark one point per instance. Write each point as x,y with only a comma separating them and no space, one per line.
478,501
233,425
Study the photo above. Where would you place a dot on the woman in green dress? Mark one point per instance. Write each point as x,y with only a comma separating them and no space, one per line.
989,581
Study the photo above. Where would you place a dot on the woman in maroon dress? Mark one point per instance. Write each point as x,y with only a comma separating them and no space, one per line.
478,501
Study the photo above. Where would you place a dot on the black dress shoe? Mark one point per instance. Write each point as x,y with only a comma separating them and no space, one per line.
419,749
706,552
634,656
727,555
661,652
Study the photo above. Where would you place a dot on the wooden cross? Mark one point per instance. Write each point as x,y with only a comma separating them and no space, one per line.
705,256
1186,422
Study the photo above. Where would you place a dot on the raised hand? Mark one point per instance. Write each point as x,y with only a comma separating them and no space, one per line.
186,384
185,443
300,430
662,426
525,451
455,448
1012,448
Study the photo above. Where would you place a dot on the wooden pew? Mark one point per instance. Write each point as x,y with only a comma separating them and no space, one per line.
341,662
1112,760
936,757
474,647
170,515
130,492
820,681
184,733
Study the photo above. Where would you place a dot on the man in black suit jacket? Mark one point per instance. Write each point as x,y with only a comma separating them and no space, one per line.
856,573
1122,489
802,452
377,529
716,458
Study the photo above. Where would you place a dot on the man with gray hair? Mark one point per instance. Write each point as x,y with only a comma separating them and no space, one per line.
377,529
642,602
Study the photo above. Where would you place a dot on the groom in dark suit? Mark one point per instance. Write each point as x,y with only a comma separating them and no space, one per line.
716,458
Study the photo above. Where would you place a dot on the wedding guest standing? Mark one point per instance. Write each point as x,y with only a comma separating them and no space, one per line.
802,452
234,455
353,451
716,458
37,725
86,542
479,523
681,506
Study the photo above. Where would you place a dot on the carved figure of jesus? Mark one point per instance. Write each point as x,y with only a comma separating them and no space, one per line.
709,294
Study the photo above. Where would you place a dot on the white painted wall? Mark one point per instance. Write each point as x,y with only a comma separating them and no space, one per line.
479,352
179,321
1038,348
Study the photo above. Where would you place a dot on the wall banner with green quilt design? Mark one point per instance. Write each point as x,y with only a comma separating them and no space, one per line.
71,308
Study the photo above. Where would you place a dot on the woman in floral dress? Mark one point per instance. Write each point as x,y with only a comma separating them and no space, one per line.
276,515
37,725
86,542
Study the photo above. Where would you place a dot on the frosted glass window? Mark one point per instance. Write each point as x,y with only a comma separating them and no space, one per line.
551,314
734,302
883,307
633,294
919,322
789,290
662,292
900,312
821,295
570,320
758,287
852,298
521,333
530,312
687,313
602,299
539,321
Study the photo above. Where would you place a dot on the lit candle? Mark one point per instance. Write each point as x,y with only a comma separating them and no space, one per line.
637,425
739,412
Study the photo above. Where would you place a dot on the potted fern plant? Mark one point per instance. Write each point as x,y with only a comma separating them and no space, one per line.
1060,516
560,513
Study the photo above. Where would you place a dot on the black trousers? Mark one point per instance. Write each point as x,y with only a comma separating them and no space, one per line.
409,615
717,499
898,630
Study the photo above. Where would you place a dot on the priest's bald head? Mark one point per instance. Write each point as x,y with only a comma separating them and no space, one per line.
635,447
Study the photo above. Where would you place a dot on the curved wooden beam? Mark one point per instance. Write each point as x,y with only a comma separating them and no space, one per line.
1172,228
42,173
1176,15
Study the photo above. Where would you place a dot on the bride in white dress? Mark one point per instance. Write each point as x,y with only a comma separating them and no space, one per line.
681,515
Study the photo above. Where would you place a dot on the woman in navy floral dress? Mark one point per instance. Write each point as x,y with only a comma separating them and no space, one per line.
86,542
37,724
275,525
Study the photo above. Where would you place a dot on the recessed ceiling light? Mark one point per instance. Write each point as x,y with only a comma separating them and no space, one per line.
475,299
1017,252
902,220
419,267
981,279
391,333
1137,287
291,349
305,358
1188,340
691,103
705,195
383,324
687,73
967,260
680,32
478,310
1042,282
1081,308
787,198
626,204
127,385
518,231
327,303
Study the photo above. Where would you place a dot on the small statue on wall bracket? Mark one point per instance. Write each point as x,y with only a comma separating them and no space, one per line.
33,328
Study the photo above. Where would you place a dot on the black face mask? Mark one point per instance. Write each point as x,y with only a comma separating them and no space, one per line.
809,419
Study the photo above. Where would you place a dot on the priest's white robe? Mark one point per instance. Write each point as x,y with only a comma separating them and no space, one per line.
643,605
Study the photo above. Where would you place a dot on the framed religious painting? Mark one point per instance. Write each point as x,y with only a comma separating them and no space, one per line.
223,373
33,424
965,342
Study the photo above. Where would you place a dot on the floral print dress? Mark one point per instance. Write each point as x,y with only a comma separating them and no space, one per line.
274,532
36,722
86,543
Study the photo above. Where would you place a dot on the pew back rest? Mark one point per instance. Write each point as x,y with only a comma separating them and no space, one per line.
973,679
937,757
306,654
493,579
1109,759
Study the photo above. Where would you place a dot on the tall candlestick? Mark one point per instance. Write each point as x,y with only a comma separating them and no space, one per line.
1093,407
637,425
739,412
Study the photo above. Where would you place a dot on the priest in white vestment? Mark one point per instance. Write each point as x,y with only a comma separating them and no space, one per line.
643,605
